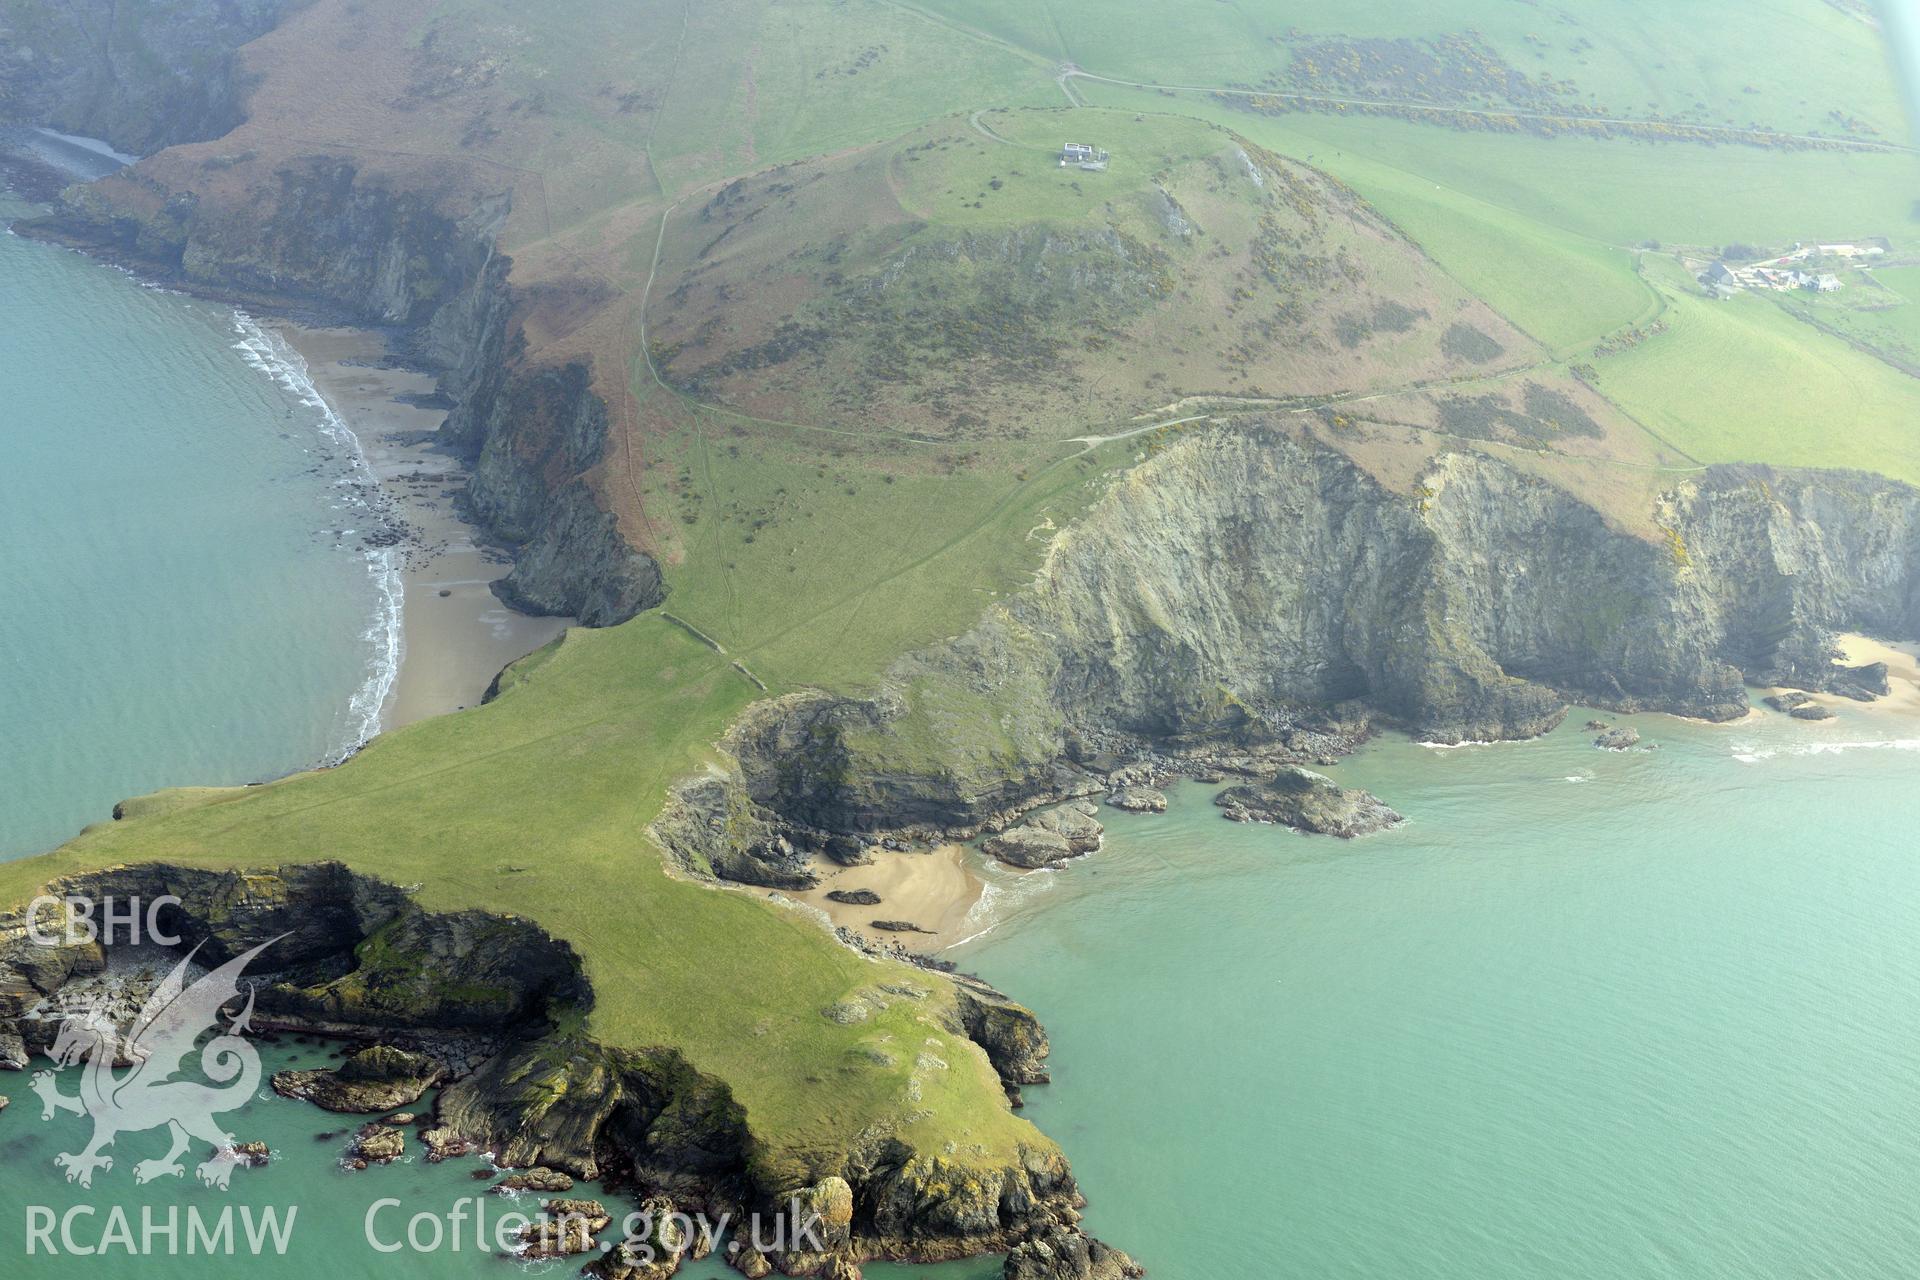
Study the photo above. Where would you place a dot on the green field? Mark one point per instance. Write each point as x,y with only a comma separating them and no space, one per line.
1742,381
1877,309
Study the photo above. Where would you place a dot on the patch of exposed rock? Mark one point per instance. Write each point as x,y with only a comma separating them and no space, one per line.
1027,847
1139,800
1307,802
854,897
656,1254
1619,738
376,1144
1047,836
567,1227
375,1079
1065,1253
543,1180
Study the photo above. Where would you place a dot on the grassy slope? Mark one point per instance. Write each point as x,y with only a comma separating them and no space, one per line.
537,803
1712,61
960,282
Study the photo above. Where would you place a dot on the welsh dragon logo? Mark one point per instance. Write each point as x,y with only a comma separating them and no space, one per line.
159,1044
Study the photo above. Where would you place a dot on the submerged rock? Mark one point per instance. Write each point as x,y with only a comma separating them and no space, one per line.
1138,800
1308,802
379,1078
1618,739
250,1154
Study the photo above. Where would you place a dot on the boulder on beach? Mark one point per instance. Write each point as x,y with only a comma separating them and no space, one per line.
1787,699
899,926
1307,802
1811,711
854,897
1862,683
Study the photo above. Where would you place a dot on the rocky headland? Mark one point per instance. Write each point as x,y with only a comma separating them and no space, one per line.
358,958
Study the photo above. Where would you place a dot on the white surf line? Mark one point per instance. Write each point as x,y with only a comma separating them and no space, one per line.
95,145
269,353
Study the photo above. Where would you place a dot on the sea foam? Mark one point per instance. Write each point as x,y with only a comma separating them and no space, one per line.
385,636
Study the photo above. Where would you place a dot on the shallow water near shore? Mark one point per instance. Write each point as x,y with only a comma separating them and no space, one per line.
183,594
1588,1014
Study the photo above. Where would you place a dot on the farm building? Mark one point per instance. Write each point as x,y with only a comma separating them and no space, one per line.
1082,155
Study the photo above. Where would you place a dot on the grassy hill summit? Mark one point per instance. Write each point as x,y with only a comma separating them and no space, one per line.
971,281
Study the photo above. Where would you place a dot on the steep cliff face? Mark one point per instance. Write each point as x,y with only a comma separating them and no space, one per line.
533,440
142,74
1250,586
325,236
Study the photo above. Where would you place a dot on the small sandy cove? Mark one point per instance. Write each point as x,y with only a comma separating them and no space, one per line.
1903,677
935,890
457,635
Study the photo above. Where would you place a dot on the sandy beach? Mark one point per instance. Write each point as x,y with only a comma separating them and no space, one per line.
457,635
935,890
1903,678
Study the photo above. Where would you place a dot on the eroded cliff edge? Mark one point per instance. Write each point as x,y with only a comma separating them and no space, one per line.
510,1007
330,240
1251,588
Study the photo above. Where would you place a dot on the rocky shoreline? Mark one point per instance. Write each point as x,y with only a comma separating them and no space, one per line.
488,1008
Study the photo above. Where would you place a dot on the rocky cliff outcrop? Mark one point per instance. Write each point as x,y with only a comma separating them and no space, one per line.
321,235
1249,586
142,74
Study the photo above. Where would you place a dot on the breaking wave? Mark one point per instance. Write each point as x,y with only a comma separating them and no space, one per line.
269,353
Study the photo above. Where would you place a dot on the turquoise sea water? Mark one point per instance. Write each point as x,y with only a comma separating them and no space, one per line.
177,602
1594,1016
1658,1022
